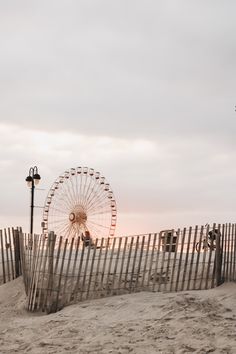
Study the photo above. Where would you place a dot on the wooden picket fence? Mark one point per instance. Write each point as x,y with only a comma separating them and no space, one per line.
10,262
58,271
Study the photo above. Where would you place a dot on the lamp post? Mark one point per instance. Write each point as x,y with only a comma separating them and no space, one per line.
32,180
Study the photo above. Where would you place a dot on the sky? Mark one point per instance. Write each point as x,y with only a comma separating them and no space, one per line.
142,91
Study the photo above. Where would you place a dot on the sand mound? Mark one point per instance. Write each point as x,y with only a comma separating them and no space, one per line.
186,322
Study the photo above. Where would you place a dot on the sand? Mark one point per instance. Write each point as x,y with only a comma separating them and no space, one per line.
185,322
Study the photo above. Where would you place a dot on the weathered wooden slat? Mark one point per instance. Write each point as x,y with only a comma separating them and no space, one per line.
133,265
48,301
68,261
182,287
3,257
75,292
44,276
83,285
57,305
91,267
73,277
97,268
145,259
122,262
228,252
7,256
161,276
234,252
203,263
180,259
218,260
23,262
10,242
209,262
200,242
128,262
193,248
109,281
225,251
33,286
104,265
231,253
138,285
17,252
154,275
173,275
150,270
114,283
169,248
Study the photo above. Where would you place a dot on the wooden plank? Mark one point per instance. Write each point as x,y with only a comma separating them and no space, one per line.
234,252
98,267
83,287
134,263
91,267
186,259
33,286
22,253
192,258
122,263
200,240
204,258
17,260
137,286
76,293
107,287
113,287
163,254
104,265
180,259
128,261
169,251
65,290
7,256
43,281
210,251
228,252
154,276
224,250
10,240
3,257
48,301
57,305
59,247
231,252
73,282
218,260
146,259
172,280
150,270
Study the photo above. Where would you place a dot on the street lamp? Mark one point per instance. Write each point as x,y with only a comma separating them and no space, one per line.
32,180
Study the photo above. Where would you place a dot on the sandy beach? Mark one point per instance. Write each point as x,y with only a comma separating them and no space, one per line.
185,322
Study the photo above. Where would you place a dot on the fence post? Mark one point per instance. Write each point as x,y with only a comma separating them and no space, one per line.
17,255
218,260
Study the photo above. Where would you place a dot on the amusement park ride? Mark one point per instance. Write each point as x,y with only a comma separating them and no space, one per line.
80,203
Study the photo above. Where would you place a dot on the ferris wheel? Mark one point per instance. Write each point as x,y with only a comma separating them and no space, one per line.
80,202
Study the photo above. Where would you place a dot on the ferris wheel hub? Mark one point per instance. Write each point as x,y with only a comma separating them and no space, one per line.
78,216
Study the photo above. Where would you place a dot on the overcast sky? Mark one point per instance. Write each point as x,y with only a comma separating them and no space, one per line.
142,91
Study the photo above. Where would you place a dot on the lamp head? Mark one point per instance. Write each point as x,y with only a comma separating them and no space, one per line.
29,181
36,178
